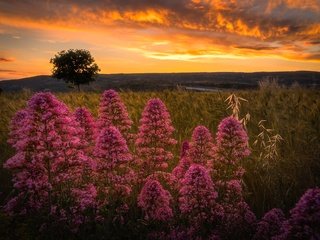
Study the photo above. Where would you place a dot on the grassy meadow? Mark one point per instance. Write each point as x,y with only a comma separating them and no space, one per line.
277,182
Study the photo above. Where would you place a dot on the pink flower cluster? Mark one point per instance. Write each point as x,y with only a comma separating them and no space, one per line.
304,220
230,149
201,146
197,197
114,176
112,111
87,129
270,225
184,163
16,135
239,221
111,150
49,163
154,138
154,201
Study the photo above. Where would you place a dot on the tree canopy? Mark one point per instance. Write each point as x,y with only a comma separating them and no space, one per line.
75,66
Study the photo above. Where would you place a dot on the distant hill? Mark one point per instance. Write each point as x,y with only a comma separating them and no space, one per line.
160,81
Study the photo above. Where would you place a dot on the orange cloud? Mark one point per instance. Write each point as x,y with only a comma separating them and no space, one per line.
4,59
158,32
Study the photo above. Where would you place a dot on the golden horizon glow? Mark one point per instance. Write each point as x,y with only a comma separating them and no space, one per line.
162,35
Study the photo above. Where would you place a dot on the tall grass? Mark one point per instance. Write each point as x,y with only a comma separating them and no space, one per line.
292,113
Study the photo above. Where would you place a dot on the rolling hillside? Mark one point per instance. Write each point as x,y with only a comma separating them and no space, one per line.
160,81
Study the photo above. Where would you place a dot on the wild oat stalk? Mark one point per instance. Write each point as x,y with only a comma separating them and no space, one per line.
234,103
267,142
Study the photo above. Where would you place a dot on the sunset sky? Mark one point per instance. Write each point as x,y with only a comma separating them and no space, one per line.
130,36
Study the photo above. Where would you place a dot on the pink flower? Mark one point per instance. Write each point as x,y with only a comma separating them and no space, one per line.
154,138
87,127
111,149
231,141
238,222
201,146
197,201
231,191
85,197
13,206
17,135
184,163
112,111
269,225
155,202
114,175
231,147
304,220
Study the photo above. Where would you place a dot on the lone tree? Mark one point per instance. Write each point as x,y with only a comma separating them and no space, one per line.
75,66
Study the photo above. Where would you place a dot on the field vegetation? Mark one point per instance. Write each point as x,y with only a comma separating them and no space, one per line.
283,130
